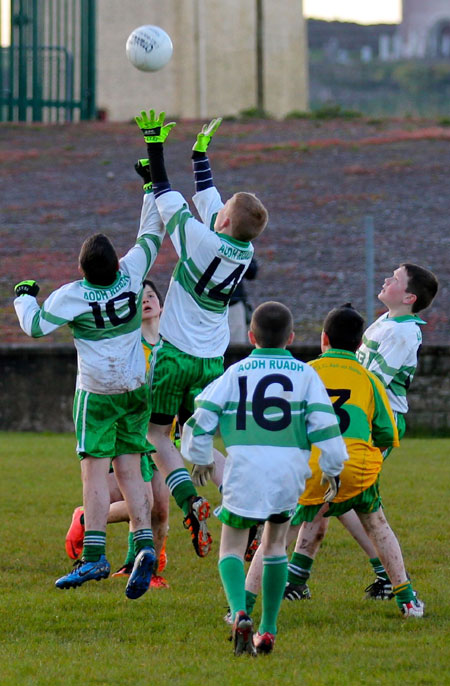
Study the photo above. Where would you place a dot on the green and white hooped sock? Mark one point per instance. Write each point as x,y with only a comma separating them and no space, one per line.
378,568
299,568
142,538
181,487
94,545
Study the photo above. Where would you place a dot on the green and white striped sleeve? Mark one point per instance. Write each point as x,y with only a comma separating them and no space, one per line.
199,431
38,321
186,232
149,238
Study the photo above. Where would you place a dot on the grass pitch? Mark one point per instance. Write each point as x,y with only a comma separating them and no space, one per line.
94,635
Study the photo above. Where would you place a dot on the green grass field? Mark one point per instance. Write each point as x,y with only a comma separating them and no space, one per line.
96,636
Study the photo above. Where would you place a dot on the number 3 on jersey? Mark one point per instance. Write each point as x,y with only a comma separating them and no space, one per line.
341,395
260,403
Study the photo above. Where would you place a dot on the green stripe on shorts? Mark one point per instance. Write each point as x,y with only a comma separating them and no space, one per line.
366,502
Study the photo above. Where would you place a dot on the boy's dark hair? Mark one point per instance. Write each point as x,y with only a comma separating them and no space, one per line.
272,324
344,327
422,283
151,284
98,260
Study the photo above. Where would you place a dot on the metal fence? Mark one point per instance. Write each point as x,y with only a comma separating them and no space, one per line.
47,66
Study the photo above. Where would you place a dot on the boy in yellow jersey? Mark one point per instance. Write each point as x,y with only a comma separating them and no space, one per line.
368,427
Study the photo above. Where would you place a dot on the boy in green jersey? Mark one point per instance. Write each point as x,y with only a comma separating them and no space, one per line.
213,256
111,408
270,409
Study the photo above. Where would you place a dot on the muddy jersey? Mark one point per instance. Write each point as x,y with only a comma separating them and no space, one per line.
105,320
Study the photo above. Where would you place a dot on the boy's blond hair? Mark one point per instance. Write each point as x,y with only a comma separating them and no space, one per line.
249,216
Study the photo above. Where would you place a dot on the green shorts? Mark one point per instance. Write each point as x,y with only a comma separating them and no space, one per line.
176,378
238,522
366,502
111,425
147,467
401,426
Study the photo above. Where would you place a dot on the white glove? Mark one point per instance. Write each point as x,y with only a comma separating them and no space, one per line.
201,473
333,486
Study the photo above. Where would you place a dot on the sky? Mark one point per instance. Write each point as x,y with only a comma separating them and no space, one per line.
360,11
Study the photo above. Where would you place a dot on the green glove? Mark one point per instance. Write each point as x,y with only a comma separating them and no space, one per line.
143,169
26,288
153,127
205,135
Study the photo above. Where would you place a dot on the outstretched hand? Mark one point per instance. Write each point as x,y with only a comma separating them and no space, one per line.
205,135
153,127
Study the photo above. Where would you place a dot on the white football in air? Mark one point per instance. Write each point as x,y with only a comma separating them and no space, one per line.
149,48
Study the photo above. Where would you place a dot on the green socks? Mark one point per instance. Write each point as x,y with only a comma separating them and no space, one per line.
299,569
142,538
181,487
273,583
131,553
378,568
403,593
94,545
250,600
232,574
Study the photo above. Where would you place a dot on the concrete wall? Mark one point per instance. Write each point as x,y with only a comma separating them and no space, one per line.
213,67
37,383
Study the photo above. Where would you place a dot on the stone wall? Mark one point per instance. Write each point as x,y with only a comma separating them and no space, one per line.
213,68
37,383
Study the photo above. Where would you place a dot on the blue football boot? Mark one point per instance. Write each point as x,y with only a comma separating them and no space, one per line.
141,575
85,571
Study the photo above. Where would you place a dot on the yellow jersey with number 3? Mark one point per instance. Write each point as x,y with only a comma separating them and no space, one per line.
366,422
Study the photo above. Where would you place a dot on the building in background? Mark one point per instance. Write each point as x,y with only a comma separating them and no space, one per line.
228,57
424,32
65,61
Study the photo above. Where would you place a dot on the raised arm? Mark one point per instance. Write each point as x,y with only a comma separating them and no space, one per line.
206,199
38,321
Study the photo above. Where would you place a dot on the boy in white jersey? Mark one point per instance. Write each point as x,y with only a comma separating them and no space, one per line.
111,408
213,256
158,493
270,408
389,349
391,344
